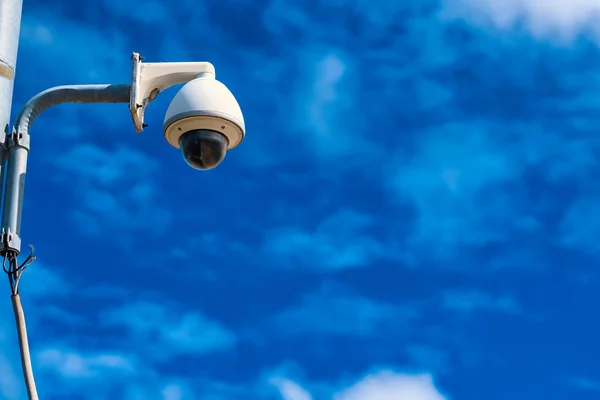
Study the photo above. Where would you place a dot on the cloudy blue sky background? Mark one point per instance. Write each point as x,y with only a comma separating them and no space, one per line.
414,214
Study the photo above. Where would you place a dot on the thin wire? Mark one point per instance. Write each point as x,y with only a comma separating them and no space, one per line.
14,271
20,268
9,271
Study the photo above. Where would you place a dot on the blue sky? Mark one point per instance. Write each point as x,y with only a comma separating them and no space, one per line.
413,215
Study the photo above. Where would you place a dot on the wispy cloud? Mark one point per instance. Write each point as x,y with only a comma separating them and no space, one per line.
149,325
116,190
469,301
75,365
176,391
343,240
66,371
334,312
290,390
327,116
553,19
585,384
44,281
446,180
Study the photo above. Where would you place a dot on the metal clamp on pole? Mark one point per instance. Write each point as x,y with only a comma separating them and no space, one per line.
17,145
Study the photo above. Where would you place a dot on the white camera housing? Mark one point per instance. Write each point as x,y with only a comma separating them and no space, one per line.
203,103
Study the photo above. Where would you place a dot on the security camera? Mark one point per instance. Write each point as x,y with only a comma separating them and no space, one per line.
204,120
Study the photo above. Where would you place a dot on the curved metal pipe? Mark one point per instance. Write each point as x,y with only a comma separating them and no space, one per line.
17,145
68,94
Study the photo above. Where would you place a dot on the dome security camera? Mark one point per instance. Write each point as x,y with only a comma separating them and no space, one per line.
204,120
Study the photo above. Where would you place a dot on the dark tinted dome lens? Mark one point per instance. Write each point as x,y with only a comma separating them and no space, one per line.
203,149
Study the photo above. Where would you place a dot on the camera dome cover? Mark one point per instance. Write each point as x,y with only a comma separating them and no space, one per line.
204,103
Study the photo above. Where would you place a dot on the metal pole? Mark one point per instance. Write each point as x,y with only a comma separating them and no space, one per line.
10,24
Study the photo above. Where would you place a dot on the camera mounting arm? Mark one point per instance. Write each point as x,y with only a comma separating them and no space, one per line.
149,79
16,147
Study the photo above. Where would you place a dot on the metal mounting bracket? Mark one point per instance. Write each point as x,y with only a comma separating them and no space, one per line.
149,79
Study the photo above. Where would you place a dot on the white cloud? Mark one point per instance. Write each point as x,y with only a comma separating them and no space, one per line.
333,313
457,180
382,385
340,241
560,19
443,179
387,385
290,390
174,391
151,325
101,374
74,365
326,95
326,107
